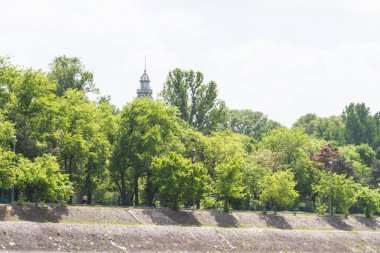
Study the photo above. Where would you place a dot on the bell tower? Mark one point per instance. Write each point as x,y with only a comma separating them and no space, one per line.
145,90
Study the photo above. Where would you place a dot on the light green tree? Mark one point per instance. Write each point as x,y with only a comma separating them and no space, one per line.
342,190
369,199
6,131
178,179
287,143
7,168
221,146
278,189
43,180
228,182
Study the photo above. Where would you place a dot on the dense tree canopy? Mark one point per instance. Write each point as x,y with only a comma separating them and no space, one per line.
187,149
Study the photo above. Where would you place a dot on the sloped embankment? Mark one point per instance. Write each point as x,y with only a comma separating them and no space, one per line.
165,217
101,229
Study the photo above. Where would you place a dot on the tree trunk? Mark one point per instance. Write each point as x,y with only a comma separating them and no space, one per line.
36,199
123,193
150,191
198,203
89,197
136,190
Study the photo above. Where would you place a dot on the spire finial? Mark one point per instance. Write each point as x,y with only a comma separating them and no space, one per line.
145,65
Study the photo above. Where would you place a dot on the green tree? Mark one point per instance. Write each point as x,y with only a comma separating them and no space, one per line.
70,73
7,169
221,146
306,122
360,127
342,190
369,199
178,179
228,184
362,158
29,107
43,180
247,122
197,102
147,129
6,131
278,189
83,136
287,143
329,129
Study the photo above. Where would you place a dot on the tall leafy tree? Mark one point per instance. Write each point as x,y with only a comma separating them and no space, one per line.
360,127
228,184
30,93
197,102
147,129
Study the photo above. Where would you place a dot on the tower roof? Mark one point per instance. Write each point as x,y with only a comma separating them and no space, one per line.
144,77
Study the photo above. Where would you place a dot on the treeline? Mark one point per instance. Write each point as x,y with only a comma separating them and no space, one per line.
185,148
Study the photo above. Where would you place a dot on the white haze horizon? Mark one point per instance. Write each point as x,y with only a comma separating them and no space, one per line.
283,58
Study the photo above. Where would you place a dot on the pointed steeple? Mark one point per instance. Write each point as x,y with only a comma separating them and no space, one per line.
145,89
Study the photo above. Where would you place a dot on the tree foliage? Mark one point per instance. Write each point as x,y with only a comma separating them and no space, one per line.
247,122
186,148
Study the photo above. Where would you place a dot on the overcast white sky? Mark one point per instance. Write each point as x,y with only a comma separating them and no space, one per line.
285,58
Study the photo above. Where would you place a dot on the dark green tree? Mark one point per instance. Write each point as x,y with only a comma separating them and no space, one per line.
360,127
197,102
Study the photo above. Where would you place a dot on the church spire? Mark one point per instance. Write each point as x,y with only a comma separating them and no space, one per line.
145,89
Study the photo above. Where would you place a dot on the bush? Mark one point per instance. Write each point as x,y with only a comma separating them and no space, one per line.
321,207
104,197
20,202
